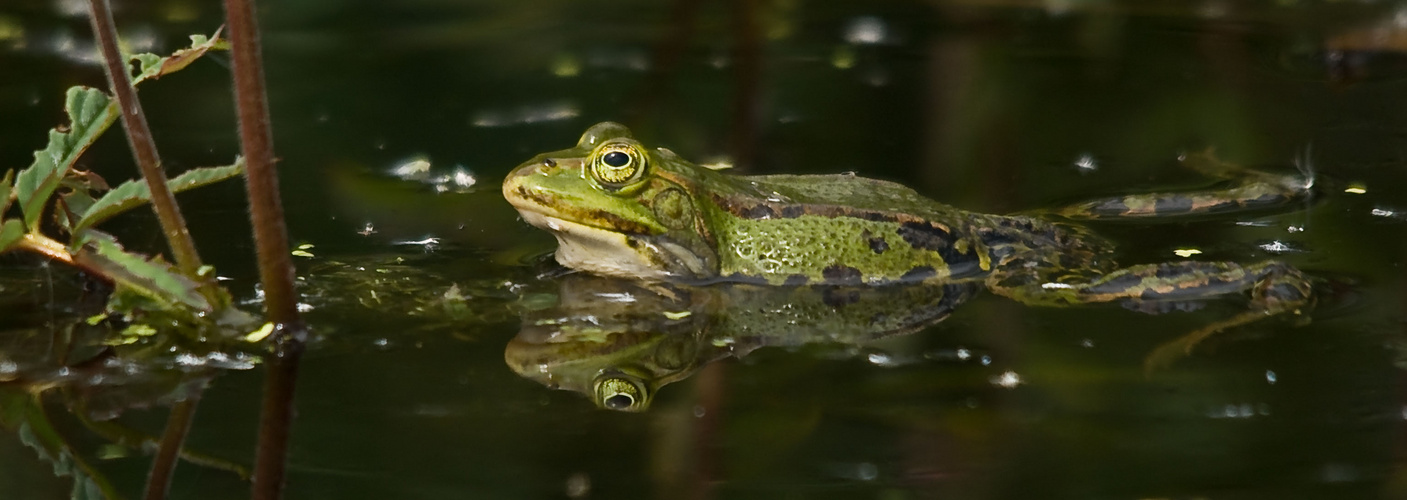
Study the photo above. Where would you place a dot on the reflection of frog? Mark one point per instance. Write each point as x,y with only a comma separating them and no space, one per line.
620,209
619,341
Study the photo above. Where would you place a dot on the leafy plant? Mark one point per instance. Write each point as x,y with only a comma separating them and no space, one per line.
59,206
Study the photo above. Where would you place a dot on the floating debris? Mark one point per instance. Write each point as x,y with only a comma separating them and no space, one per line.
1279,247
866,30
525,115
1086,163
1007,379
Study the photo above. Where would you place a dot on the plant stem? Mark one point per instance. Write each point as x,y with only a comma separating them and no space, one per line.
134,121
271,240
169,450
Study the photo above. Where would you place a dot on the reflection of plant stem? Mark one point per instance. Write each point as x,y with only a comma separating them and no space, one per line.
134,121
135,440
168,451
271,241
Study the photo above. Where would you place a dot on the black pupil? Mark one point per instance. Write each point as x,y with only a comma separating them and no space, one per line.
619,401
616,159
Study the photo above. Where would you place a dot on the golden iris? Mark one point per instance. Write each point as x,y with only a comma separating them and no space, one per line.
617,164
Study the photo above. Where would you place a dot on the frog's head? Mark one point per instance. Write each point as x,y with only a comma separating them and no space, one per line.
616,207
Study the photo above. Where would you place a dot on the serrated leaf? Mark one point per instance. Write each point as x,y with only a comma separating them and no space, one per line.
90,112
10,233
153,279
153,66
134,193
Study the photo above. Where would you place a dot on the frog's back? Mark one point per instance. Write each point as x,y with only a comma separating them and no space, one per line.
856,193
841,229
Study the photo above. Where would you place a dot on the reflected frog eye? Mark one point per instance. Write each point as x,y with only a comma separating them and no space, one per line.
620,394
617,164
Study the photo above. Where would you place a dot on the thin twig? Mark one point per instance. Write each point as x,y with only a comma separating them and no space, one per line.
271,241
134,121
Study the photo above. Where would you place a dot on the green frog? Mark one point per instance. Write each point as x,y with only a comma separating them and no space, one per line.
618,208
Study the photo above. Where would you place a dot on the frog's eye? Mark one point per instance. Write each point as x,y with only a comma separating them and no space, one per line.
621,394
617,164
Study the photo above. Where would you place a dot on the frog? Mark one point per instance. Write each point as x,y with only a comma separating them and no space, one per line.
618,208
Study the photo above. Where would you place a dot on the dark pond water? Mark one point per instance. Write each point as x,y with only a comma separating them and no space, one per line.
994,106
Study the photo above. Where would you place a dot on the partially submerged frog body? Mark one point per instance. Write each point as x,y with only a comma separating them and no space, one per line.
619,341
620,209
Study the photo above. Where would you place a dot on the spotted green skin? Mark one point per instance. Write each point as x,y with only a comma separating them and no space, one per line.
675,221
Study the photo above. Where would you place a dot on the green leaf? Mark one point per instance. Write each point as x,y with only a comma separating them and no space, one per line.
10,233
5,191
150,66
90,112
134,193
153,279
154,66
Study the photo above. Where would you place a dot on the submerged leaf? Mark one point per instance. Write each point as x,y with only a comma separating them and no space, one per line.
134,193
153,279
24,413
90,112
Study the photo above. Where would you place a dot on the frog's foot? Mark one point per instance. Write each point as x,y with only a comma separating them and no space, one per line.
1248,190
1275,288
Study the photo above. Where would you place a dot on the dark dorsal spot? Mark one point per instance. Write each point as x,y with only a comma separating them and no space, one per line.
841,275
743,278
759,211
796,280
875,216
839,297
919,274
878,244
924,236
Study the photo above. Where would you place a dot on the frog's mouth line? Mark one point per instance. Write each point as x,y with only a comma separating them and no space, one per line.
527,201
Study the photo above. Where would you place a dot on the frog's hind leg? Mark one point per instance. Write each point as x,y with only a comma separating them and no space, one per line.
1247,190
1274,287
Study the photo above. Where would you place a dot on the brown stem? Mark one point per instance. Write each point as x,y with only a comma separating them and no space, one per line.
271,240
134,121
168,452
265,209
47,247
